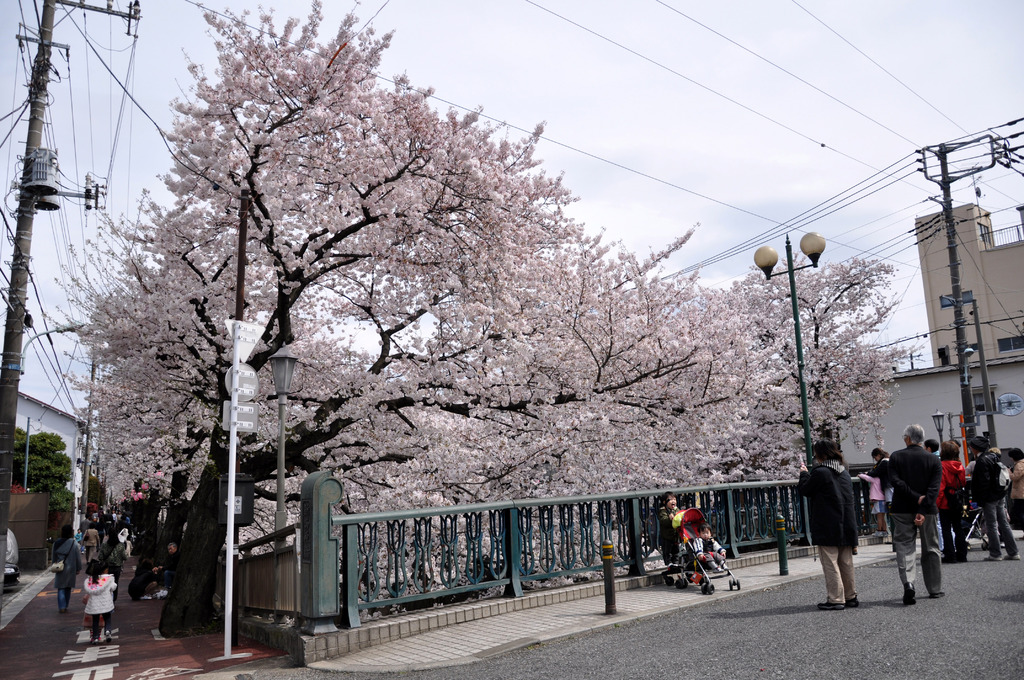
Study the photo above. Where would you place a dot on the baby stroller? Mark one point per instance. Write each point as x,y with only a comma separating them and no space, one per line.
691,569
975,520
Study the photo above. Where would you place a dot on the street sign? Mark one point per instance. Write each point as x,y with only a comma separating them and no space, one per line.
246,416
248,335
248,383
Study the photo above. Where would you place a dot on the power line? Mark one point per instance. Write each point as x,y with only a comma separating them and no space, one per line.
882,68
789,73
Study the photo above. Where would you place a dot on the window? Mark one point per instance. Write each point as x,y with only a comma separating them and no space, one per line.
1011,344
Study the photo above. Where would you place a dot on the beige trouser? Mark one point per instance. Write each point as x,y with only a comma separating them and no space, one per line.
837,565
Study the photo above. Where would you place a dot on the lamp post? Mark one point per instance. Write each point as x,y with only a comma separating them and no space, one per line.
283,365
937,418
766,257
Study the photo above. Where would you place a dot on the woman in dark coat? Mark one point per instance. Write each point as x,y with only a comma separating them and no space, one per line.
829,493
66,550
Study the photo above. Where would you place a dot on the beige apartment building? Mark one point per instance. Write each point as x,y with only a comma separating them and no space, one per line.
991,272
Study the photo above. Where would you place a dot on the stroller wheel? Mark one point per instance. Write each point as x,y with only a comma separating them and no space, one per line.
737,584
704,589
682,583
668,580
711,589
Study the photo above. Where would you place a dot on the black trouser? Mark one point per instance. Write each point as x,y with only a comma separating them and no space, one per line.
954,538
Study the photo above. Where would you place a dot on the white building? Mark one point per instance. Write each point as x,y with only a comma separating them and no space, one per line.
37,416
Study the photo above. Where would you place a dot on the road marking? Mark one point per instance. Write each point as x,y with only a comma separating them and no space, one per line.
92,673
157,673
91,655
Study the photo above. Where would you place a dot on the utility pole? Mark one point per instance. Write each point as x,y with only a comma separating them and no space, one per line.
10,369
38,186
945,180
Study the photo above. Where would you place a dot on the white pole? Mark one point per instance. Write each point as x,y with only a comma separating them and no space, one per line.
229,577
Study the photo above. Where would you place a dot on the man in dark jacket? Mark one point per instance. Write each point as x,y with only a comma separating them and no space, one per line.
915,476
986,492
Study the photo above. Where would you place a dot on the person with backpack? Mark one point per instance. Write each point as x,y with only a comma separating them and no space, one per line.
989,492
951,504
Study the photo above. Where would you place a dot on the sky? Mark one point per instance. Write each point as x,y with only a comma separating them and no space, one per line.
746,119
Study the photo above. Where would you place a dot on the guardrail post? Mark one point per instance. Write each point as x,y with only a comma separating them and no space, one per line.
636,557
780,536
320,568
513,553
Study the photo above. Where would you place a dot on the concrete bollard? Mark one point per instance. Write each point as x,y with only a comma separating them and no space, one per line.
780,534
608,559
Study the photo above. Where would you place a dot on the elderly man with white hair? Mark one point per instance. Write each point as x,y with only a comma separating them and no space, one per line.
915,476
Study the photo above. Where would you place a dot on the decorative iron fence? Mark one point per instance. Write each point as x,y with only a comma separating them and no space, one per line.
423,557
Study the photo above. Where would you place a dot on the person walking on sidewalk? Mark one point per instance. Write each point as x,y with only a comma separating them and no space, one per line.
829,492
100,587
916,476
67,551
91,542
113,553
991,496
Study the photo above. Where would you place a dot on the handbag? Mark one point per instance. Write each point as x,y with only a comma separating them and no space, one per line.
57,567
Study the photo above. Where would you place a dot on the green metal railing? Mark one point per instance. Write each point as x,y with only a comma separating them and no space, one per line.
432,555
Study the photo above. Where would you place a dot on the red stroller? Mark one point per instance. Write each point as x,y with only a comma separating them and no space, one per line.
691,569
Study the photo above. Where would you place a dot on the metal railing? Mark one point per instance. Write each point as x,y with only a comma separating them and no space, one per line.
406,559
1003,237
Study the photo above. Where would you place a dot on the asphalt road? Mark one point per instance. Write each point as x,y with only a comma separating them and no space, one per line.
976,631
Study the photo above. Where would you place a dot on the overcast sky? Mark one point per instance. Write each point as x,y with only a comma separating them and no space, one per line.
739,116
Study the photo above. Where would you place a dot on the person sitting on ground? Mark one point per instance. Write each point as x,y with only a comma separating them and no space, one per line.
669,535
171,565
145,581
708,550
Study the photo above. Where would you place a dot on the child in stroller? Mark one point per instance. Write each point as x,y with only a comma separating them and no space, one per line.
695,534
709,551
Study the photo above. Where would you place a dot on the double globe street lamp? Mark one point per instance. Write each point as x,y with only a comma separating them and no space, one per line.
766,257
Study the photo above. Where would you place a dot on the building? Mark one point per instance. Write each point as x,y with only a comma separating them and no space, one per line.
924,392
990,272
37,416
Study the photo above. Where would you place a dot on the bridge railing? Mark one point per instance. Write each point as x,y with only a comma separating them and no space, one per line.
422,557
427,556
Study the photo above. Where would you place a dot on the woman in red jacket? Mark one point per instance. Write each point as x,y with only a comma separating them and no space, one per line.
951,509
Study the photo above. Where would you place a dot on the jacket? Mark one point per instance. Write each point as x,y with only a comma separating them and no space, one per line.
913,473
876,493
881,472
708,546
92,538
985,480
66,550
1017,476
829,493
953,477
113,556
101,594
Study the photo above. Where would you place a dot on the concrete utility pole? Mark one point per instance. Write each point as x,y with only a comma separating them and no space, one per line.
945,181
33,190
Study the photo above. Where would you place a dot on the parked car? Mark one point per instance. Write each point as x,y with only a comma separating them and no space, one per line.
12,574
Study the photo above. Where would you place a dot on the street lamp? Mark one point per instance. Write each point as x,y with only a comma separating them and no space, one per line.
766,257
937,418
282,363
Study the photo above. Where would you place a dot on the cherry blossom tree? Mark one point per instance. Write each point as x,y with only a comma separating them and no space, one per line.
460,336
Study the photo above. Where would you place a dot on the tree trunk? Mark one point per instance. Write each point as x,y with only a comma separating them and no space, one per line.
189,607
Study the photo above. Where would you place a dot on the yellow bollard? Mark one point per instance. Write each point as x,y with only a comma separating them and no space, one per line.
608,560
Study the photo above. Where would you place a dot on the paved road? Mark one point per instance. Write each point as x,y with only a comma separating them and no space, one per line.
976,631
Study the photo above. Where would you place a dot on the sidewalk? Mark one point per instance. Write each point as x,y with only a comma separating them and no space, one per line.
450,636
37,641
